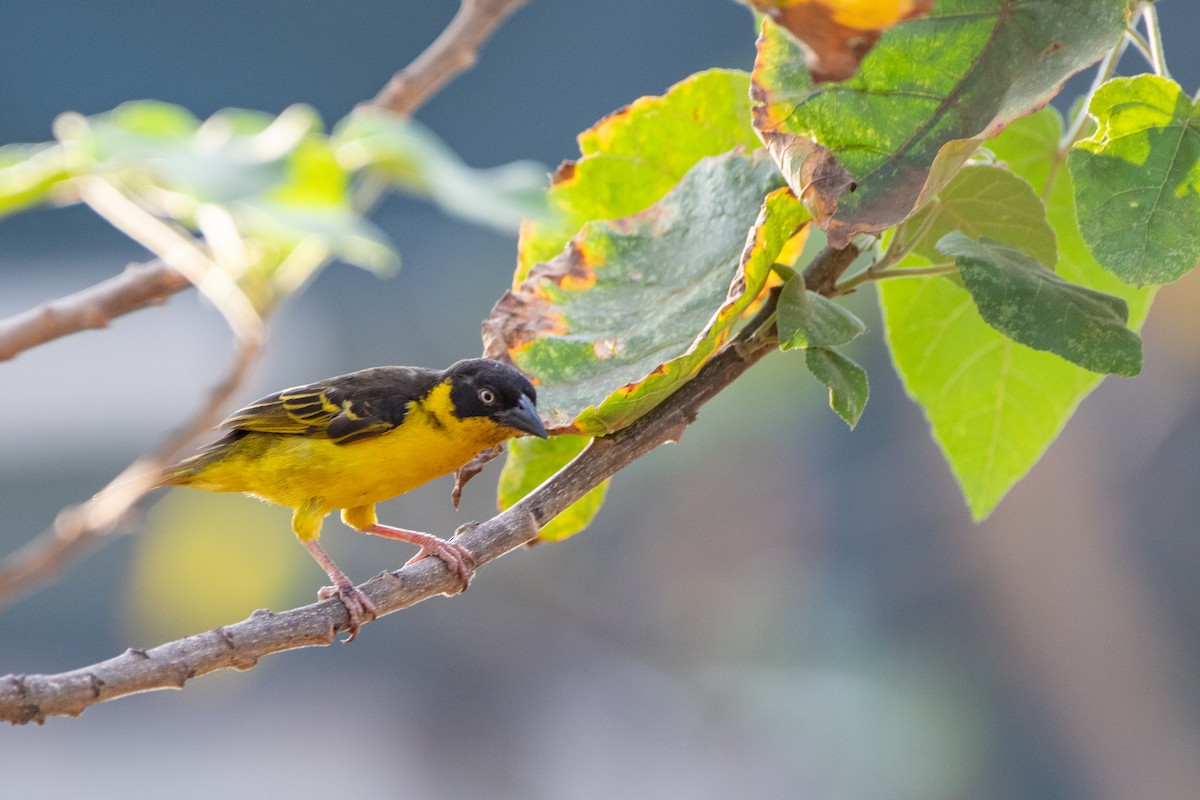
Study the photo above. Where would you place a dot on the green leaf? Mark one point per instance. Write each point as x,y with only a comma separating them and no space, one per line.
1137,180
29,173
337,230
276,178
634,307
408,155
530,462
859,152
632,157
1030,304
233,155
994,405
983,200
807,319
847,382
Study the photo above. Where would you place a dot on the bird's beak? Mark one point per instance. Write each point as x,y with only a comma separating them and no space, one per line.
524,418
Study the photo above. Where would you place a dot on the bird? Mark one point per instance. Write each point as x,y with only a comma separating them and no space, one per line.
348,442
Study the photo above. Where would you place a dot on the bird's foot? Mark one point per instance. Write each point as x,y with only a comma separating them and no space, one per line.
357,604
458,559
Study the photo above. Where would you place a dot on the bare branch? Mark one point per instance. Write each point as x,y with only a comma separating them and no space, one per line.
32,698
138,286
454,51
78,527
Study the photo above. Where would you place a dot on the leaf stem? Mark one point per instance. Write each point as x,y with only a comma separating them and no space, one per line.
896,272
1158,58
945,268
1139,42
899,247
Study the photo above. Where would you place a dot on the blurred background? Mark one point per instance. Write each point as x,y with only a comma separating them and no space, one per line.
773,608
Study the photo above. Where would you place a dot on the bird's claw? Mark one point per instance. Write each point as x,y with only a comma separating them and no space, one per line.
457,558
357,604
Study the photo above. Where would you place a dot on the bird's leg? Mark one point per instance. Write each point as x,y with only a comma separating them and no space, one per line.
357,604
471,469
458,559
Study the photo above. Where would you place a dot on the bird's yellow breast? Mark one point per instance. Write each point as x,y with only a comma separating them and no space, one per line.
297,470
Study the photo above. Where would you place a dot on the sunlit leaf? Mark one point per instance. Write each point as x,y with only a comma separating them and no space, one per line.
233,155
994,405
983,200
29,173
530,462
635,306
859,152
276,178
409,156
838,34
1137,180
632,157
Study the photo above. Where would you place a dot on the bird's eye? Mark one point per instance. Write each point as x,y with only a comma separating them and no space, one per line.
487,396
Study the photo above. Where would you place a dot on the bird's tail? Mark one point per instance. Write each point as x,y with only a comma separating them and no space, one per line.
185,472
181,474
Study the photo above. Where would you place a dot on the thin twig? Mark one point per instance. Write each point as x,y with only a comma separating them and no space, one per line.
32,698
138,286
1107,67
174,247
78,527
454,51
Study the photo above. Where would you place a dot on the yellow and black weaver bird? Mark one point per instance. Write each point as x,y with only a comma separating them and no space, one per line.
355,440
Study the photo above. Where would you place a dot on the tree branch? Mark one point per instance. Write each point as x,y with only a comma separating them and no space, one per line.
453,52
822,274
138,286
33,698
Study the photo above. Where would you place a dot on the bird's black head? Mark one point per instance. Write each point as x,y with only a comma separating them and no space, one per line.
481,387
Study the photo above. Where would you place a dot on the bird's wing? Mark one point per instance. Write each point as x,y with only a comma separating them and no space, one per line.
344,409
